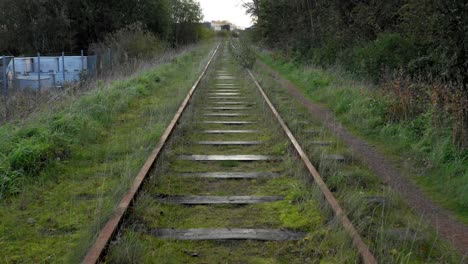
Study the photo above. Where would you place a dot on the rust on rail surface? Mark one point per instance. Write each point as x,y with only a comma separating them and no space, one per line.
106,234
363,249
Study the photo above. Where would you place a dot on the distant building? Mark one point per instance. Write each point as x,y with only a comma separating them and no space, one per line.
221,25
216,26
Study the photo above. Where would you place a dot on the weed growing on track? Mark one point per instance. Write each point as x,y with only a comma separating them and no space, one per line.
85,157
392,232
427,153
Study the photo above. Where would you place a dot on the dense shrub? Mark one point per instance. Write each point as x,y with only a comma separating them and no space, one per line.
410,48
388,51
367,36
130,42
325,55
243,52
205,33
50,26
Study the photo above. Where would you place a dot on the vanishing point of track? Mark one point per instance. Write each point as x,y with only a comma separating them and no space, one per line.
227,120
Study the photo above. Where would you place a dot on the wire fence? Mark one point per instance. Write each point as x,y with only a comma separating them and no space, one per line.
31,84
33,76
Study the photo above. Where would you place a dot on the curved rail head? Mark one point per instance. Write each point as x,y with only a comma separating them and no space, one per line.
97,251
363,249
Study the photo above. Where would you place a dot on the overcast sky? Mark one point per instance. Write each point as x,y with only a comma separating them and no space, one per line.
230,10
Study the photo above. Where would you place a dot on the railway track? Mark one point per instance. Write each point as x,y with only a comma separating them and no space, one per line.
227,183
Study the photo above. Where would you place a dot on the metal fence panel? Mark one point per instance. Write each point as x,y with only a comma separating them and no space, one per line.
50,71
35,73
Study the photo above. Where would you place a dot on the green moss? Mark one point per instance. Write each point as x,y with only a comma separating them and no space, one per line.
305,218
306,251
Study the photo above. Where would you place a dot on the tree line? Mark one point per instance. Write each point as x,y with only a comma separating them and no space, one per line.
415,50
48,26
366,36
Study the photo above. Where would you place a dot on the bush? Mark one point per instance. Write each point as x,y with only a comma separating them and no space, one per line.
244,53
205,33
388,51
325,55
130,42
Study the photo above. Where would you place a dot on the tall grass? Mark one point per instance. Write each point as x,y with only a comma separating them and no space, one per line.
392,231
106,135
417,124
65,118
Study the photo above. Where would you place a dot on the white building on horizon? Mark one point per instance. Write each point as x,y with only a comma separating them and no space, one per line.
223,25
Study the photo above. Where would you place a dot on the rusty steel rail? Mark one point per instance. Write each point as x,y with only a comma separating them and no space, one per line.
97,251
363,249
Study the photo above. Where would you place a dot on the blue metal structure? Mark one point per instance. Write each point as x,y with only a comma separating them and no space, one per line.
36,73
4,77
47,71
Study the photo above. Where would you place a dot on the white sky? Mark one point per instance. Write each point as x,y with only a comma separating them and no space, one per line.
230,10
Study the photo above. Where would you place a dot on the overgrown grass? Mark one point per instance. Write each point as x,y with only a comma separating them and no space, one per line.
301,210
63,172
426,152
393,233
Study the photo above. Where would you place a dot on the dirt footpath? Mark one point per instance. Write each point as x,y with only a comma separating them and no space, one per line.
441,219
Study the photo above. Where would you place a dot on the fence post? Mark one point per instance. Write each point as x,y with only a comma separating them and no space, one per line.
97,64
63,68
4,77
82,61
39,69
14,74
5,88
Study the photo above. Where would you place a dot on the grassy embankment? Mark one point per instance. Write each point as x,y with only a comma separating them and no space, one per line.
425,153
63,172
391,230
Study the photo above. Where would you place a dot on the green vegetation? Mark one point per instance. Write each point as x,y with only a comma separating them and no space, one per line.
131,42
412,48
427,153
63,171
390,229
366,37
301,210
243,52
52,26
393,233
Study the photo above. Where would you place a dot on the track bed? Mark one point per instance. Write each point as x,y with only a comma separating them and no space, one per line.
229,189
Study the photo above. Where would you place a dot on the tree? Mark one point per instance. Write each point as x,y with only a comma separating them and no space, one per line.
51,26
186,16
